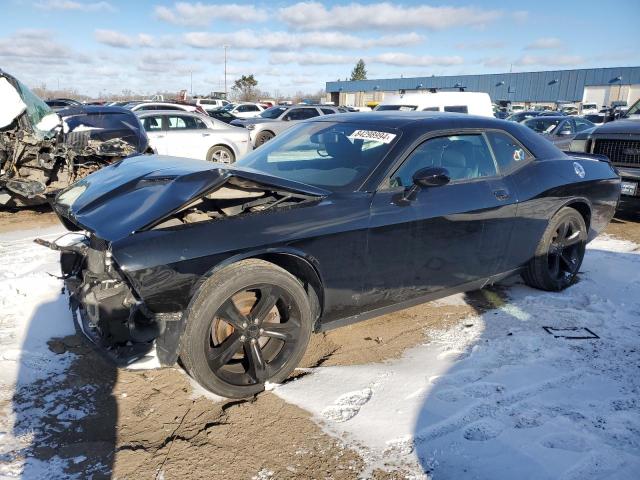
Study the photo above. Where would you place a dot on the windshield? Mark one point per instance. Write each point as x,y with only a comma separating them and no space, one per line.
633,110
542,125
332,155
402,108
273,112
42,118
228,107
589,106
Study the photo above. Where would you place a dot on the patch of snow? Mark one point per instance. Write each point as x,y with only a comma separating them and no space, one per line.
48,122
503,398
32,310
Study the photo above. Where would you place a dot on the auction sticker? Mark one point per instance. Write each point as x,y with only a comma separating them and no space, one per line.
382,137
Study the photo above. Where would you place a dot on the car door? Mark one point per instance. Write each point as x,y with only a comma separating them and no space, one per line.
444,236
153,125
188,136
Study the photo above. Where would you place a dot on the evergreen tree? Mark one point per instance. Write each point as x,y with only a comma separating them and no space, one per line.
359,72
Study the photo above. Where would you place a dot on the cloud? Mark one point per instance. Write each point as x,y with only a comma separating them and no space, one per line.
117,39
479,45
271,40
199,14
75,5
390,58
550,61
495,61
383,16
544,43
404,59
30,45
520,16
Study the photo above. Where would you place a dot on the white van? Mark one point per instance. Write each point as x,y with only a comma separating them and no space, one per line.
473,103
211,103
589,108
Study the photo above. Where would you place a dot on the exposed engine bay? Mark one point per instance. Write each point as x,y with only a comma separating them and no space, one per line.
236,197
42,152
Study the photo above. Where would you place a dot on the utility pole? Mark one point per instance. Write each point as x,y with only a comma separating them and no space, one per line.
191,75
225,70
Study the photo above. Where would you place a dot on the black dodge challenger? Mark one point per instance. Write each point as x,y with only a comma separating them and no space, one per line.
342,218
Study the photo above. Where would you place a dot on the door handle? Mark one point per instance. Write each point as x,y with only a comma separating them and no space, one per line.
501,194
159,136
206,134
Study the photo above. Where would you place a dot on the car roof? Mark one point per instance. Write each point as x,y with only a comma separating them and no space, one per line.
551,117
169,112
395,119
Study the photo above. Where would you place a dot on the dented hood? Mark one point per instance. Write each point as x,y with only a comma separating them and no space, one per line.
139,191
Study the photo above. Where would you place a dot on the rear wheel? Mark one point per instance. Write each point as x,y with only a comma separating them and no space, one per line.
559,253
250,323
220,154
263,137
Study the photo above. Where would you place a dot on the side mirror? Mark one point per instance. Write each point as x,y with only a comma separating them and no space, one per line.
565,132
423,178
286,118
431,177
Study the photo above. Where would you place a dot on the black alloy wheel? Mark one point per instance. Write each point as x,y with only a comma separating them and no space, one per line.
248,324
560,252
253,335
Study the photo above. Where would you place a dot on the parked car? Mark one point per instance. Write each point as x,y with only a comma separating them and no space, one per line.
521,116
191,135
474,103
244,110
277,119
222,115
558,129
337,220
589,108
42,151
209,104
619,141
59,103
153,106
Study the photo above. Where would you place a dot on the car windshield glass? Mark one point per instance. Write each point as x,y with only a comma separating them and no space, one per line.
37,110
228,107
542,125
633,109
332,155
273,112
402,108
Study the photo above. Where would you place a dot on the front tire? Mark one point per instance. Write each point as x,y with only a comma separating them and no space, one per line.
263,137
220,154
560,252
250,323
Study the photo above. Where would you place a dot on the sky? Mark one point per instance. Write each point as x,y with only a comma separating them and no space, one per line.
98,47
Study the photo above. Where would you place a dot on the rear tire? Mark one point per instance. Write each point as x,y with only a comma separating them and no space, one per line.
248,324
263,137
220,154
560,252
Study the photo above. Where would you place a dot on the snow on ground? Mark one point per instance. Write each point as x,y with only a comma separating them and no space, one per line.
498,396
32,310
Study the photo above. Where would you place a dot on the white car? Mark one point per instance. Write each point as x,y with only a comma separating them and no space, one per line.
153,106
244,110
211,103
473,103
589,108
191,135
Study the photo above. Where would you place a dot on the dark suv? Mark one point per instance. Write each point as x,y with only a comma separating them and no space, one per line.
620,141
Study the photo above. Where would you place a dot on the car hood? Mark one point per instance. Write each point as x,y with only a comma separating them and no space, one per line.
619,126
137,192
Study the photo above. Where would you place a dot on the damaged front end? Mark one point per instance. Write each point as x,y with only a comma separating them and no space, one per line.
105,307
123,271
42,152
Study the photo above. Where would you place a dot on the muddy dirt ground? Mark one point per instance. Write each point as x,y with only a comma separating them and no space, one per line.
154,424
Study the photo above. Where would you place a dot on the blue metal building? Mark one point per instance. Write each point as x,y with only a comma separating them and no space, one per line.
548,86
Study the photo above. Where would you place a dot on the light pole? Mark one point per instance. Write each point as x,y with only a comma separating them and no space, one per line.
191,77
225,70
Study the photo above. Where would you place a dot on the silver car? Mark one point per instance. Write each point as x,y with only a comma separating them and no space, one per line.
558,129
277,119
191,135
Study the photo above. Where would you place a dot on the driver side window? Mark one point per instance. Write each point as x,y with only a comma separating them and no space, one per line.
466,157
